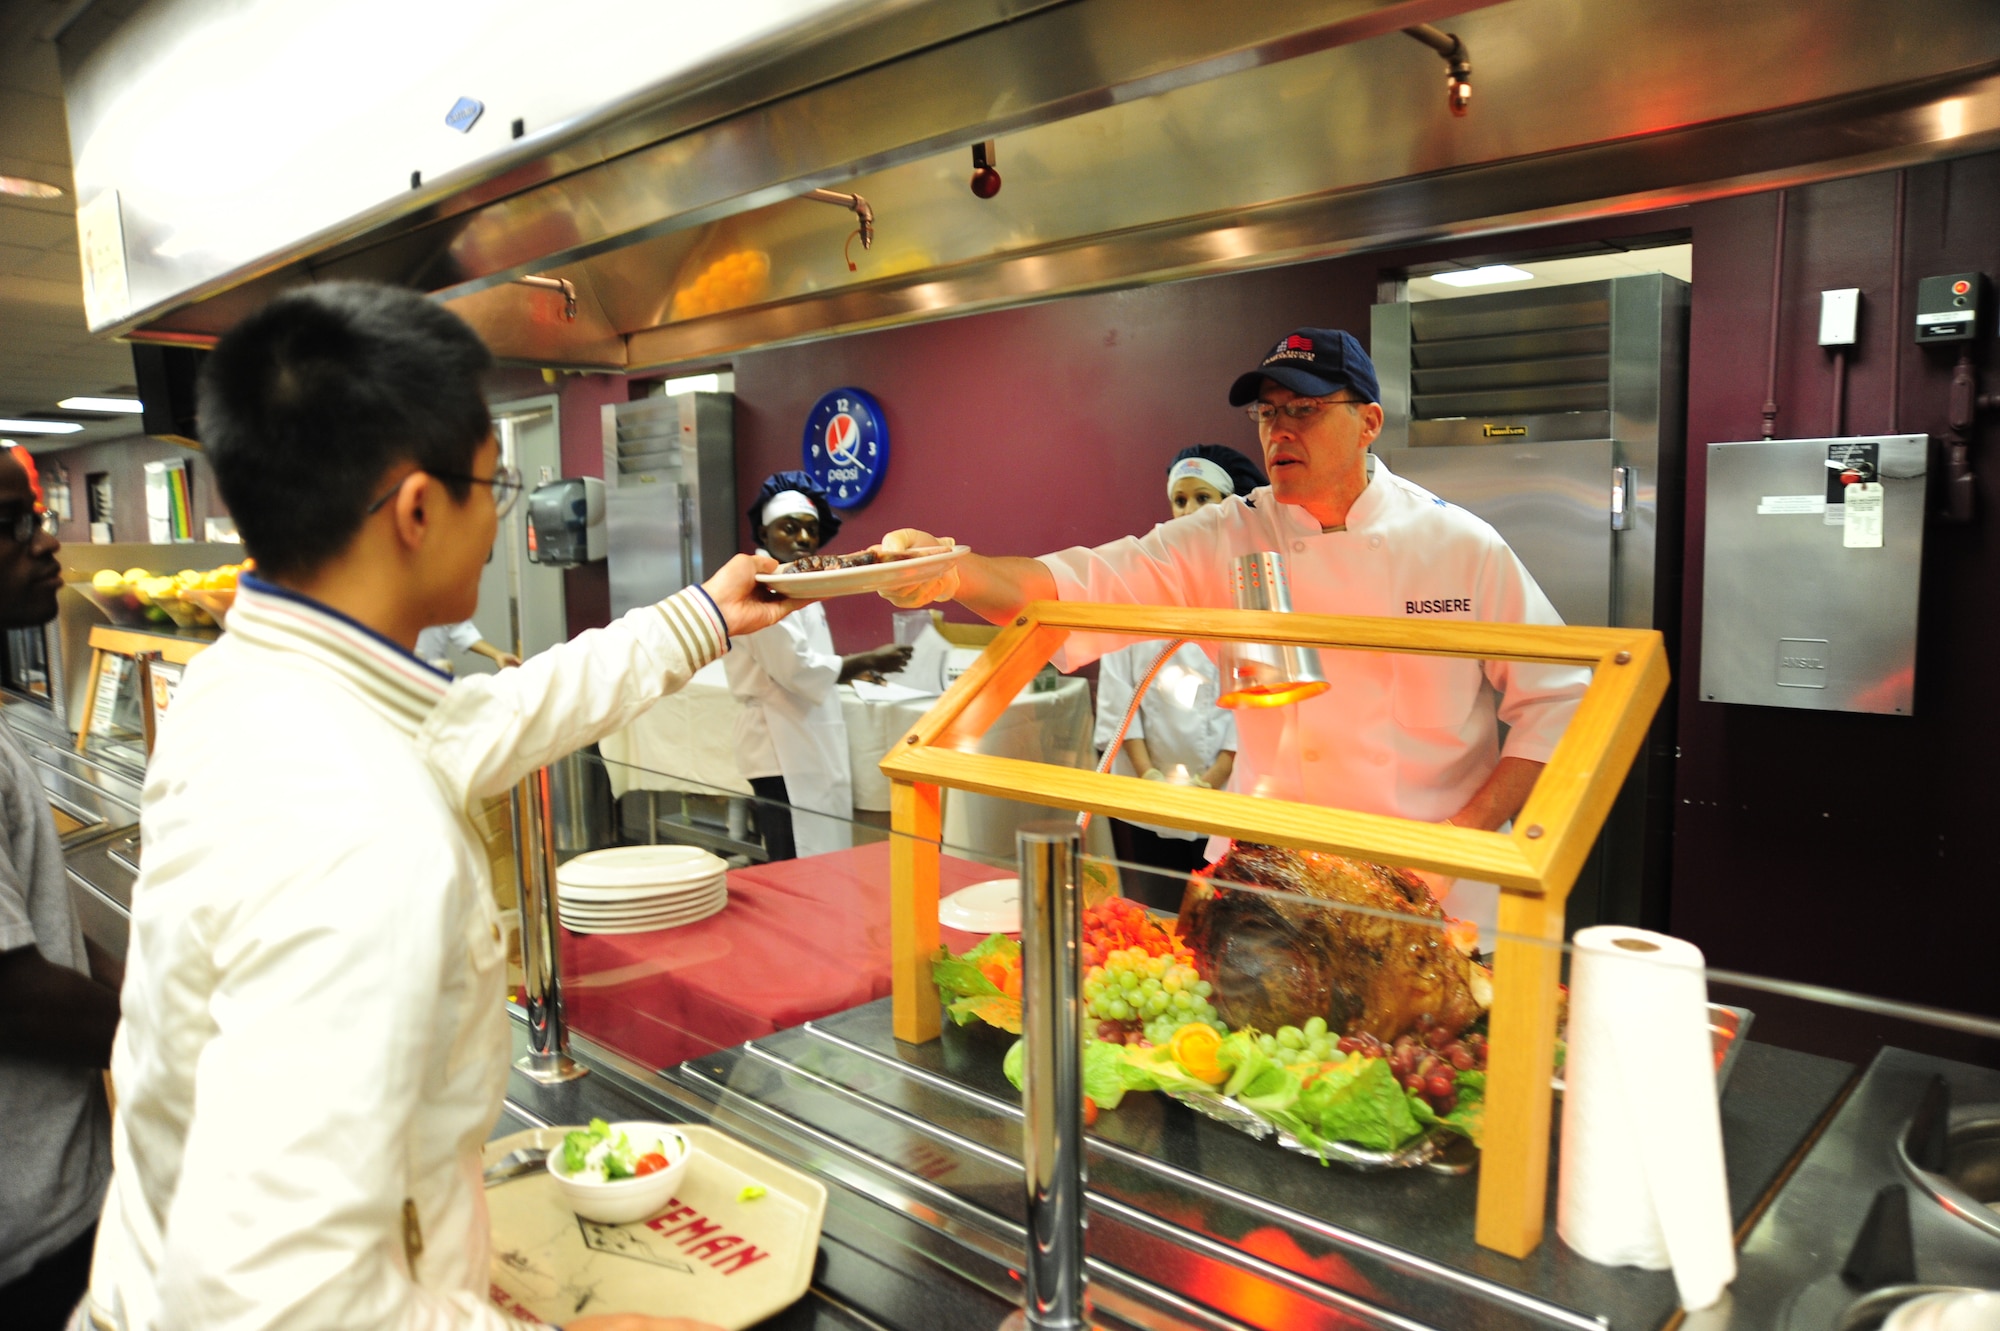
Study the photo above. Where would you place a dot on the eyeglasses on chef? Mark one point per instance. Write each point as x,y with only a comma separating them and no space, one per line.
1296,412
506,483
24,525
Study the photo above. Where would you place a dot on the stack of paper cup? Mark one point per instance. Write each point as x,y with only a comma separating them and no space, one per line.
1641,1181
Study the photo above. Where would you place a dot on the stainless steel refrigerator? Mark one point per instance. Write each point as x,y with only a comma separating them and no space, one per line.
670,494
1558,414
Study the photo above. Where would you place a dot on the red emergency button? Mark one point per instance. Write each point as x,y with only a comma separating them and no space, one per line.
1960,287
1850,477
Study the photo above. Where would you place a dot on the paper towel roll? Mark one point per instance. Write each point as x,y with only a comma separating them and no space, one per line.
1641,1177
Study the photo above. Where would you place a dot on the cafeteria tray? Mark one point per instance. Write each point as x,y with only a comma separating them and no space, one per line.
710,1254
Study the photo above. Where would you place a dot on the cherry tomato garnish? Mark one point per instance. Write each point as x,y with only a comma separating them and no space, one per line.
651,1163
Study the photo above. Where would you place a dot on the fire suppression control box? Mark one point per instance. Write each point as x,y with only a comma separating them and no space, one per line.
1948,307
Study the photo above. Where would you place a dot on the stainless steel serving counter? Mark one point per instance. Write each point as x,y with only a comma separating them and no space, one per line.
95,798
1191,1223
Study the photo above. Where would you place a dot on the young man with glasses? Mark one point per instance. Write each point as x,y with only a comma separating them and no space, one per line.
314,1045
55,1126
1413,736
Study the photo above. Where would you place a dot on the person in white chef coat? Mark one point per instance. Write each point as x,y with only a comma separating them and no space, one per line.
791,740
1418,737
1178,735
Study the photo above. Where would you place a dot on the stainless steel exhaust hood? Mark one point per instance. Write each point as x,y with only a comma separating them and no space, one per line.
1145,140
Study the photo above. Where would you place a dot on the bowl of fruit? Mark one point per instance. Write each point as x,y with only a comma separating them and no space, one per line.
215,590
138,598
616,1173
125,598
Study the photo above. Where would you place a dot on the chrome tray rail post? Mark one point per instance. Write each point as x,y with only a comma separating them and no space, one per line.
547,1059
1052,1079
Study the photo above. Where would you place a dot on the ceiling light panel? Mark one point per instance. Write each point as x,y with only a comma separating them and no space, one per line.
130,405
40,427
1492,274
23,188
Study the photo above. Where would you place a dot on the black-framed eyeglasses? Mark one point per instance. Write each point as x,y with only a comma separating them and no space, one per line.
24,526
1297,411
506,483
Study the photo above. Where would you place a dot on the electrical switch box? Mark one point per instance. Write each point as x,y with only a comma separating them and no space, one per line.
1948,307
1839,313
1813,571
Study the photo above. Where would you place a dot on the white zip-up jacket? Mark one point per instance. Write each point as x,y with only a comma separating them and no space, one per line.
314,1045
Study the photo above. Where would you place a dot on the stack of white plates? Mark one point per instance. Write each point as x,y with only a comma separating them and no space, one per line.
637,889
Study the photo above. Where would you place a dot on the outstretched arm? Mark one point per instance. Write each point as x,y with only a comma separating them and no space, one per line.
992,587
491,730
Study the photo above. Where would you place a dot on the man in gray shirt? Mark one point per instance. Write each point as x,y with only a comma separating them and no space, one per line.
55,1127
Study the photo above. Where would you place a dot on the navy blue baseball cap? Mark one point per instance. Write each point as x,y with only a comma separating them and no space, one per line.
1312,362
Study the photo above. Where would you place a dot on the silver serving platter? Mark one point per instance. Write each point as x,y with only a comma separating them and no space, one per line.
1440,1149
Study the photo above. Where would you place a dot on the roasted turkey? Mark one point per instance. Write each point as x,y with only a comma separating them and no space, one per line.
1275,963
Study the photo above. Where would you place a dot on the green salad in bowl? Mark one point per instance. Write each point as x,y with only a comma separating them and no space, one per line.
601,1153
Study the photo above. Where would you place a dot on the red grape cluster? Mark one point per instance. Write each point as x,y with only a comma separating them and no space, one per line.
1428,1065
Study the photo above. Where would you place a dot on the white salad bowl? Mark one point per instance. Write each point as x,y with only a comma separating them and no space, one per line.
621,1201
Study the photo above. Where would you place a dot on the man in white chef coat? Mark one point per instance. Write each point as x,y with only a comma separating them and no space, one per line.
314,1045
1414,736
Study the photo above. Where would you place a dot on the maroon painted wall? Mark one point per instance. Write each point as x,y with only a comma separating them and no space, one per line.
1848,850
1032,429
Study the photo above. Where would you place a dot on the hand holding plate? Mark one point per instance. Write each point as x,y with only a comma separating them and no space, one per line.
746,604
943,587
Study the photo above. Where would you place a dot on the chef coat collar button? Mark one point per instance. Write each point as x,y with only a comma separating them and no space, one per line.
1374,542
1299,546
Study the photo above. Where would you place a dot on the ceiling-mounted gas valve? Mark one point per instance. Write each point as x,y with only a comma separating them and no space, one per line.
985,169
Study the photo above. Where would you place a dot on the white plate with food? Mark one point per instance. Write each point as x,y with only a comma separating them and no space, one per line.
817,577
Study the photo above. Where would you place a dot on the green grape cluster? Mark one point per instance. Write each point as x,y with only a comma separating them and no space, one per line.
1311,1043
1134,996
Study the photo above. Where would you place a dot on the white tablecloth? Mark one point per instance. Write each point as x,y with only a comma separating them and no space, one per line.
1045,727
686,742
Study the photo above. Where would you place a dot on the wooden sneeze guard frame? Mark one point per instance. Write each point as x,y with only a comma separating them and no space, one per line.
1535,864
108,641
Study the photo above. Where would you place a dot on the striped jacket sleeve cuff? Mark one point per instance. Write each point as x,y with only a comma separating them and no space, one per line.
697,625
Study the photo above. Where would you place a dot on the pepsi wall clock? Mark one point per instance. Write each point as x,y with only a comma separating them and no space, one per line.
847,446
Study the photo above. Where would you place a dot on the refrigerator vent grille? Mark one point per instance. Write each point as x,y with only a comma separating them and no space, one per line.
649,433
1525,353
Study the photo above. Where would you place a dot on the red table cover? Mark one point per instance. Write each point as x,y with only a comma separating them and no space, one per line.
799,939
